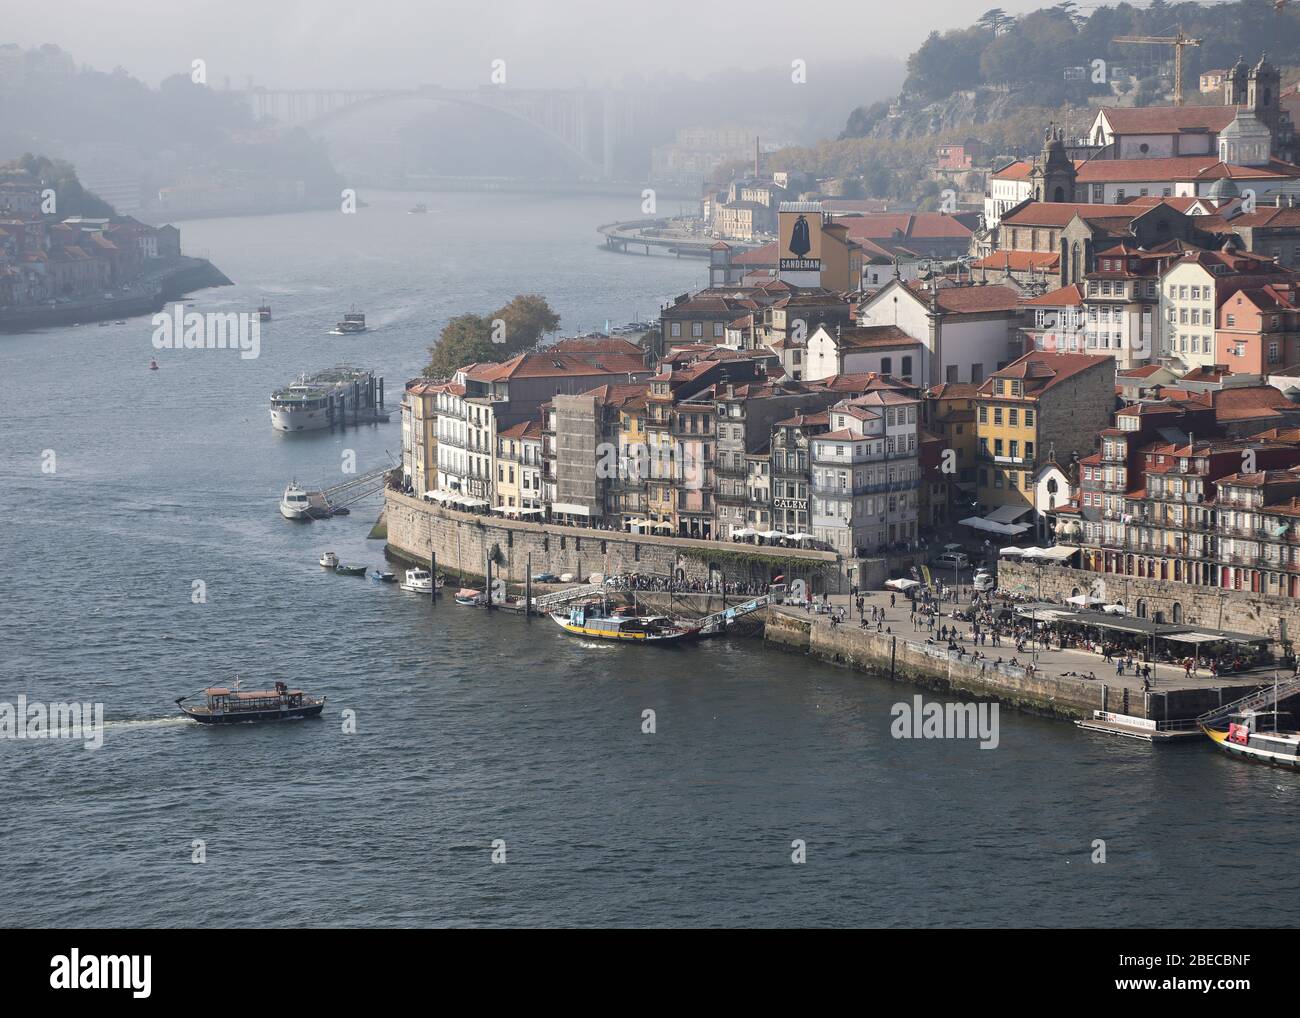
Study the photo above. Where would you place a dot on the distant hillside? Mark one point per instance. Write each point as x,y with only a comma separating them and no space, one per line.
1003,79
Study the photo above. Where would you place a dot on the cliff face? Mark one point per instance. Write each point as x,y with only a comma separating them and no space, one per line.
958,111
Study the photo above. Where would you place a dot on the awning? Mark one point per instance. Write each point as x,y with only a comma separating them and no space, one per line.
503,509
1192,637
531,511
1007,513
1012,551
1084,600
1057,553
471,502
801,536
744,532
993,526
571,508
663,525
770,535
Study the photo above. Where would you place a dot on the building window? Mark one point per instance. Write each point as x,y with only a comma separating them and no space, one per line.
886,365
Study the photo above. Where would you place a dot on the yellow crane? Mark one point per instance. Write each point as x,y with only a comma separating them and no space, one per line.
1178,42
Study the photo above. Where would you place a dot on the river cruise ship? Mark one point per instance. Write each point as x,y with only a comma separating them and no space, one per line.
319,401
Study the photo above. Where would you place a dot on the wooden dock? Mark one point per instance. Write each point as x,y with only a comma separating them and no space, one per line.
1129,727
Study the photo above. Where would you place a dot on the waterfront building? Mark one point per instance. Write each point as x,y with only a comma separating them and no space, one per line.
627,491
758,487
815,249
745,414
1042,404
1194,287
1258,329
587,444
791,465
519,467
948,413
882,349
1173,527
420,435
449,400
965,332
865,475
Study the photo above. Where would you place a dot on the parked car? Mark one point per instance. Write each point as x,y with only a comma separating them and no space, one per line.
953,558
545,578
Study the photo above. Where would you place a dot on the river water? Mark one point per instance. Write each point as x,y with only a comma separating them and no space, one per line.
473,729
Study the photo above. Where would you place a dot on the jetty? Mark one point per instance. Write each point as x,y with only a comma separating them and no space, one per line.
336,500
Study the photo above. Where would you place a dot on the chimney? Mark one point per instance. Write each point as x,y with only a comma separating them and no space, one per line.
756,156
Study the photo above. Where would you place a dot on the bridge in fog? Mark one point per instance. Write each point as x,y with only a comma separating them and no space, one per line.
584,123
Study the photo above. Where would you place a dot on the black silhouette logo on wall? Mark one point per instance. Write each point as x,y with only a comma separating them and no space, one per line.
800,244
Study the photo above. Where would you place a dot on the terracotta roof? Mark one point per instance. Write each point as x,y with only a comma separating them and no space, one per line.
1175,168
1040,370
1168,119
969,299
543,365
1018,261
1142,371
803,420
1066,296
912,225
1047,213
953,390
869,337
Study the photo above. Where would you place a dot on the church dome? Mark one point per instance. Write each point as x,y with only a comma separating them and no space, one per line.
1223,189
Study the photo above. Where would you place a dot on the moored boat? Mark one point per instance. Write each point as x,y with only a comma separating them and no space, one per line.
420,581
343,570
230,705
264,313
1246,739
382,576
329,560
294,504
418,209
468,596
593,621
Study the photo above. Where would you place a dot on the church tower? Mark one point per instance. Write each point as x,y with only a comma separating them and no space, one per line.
1235,84
1053,177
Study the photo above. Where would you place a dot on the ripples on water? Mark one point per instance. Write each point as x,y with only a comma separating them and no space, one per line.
473,728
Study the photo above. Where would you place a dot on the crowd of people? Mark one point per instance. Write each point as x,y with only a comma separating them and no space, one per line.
655,583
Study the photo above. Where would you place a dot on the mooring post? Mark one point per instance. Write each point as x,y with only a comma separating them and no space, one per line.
893,655
433,577
488,576
528,588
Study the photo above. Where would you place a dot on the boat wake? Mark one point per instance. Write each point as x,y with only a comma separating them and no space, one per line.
167,722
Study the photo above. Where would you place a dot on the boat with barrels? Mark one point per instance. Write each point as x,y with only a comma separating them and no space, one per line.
594,620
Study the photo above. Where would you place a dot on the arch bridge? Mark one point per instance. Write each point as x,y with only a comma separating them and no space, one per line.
584,123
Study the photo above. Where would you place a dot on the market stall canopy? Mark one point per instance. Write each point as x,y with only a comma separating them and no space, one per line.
801,536
1058,553
1010,552
744,532
1084,600
571,508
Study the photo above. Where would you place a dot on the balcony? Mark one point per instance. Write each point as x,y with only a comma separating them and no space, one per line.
724,469
1005,460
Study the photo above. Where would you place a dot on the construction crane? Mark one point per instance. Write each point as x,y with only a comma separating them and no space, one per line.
1178,42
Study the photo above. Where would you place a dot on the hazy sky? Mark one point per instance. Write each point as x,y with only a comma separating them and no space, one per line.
401,43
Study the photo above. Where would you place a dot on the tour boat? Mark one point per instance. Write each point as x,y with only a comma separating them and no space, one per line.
467,596
264,313
343,570
420,581
1244,739
593,621
224,706
352,323
329,560
294,504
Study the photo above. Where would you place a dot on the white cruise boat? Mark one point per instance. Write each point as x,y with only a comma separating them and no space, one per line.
329,561
313,403
294,504
418,580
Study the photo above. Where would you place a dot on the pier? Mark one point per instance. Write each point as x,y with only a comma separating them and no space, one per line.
657,234
335,500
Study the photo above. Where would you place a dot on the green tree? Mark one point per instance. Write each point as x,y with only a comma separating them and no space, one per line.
526,319
992,20
466,339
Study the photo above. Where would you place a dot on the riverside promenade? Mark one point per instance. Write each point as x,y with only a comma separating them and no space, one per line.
905,655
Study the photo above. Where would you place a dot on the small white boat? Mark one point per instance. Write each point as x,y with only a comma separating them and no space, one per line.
419,580
294,504
329,560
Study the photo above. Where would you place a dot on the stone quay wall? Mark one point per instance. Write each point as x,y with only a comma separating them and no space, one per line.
1235,610
463,541
934,667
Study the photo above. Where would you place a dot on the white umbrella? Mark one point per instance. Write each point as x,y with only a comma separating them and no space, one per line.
744,532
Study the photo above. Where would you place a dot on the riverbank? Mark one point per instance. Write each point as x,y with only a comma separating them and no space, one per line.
182,279
933,666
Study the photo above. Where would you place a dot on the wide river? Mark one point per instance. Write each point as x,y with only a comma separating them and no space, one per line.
121,487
